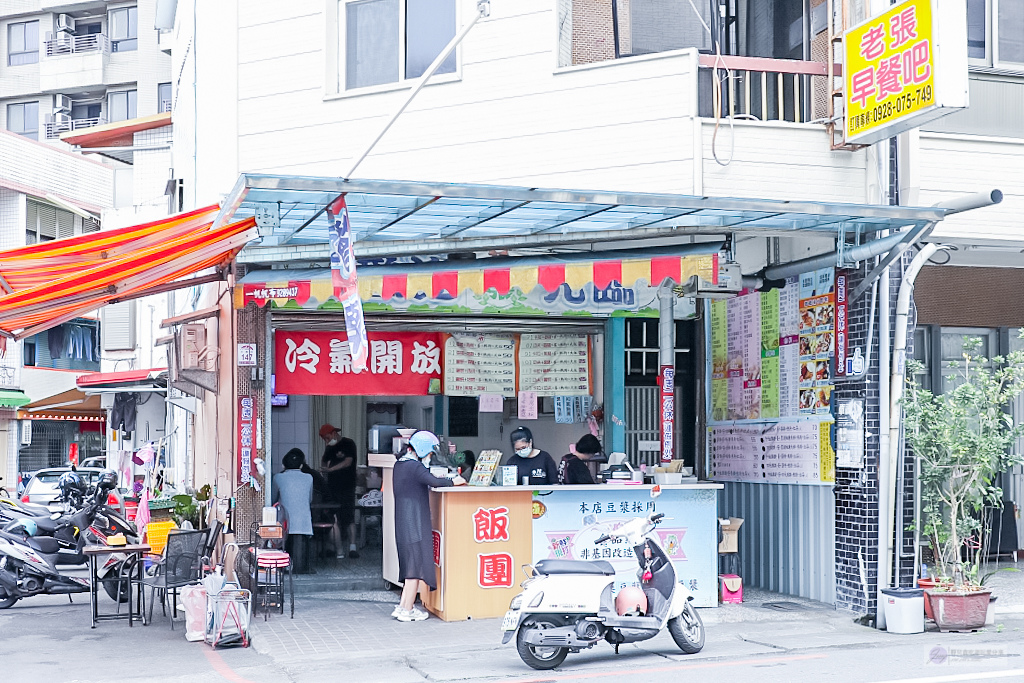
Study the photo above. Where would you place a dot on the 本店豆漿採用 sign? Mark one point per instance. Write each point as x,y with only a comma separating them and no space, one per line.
904,67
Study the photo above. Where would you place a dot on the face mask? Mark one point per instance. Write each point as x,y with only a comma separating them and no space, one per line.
426,462
524,452
332,442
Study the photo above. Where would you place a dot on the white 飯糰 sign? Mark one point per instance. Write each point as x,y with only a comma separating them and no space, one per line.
246,354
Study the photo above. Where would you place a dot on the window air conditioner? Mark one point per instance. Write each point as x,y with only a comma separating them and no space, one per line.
65,23
60,119
61,103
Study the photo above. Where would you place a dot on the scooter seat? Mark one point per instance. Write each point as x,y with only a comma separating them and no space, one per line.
47,545
598,567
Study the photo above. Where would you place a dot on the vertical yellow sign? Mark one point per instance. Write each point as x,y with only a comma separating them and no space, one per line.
889,69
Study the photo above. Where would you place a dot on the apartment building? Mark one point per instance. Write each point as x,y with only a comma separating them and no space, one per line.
624,96
74,65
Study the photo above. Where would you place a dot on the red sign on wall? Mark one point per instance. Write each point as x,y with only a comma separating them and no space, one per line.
667,380
320,363
495,570
490,524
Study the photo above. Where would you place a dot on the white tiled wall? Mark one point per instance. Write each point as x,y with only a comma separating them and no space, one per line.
290,429
12,219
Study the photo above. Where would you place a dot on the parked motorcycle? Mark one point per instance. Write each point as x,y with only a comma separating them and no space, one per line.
27,568
567,605
71,532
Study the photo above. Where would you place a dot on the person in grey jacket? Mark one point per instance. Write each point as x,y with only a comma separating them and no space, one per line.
293,488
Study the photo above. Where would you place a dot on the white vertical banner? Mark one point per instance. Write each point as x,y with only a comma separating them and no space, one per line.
346,285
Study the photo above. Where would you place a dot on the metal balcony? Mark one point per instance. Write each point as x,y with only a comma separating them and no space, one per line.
53,129
69,45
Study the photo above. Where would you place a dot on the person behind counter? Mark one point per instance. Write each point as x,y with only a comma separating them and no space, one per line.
573,468
531,462
411,483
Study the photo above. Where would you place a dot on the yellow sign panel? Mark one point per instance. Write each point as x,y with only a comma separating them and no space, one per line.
889,69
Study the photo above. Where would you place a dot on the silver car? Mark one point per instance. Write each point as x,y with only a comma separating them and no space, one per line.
42,488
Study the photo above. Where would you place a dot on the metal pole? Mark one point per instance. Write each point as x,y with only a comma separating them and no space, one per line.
268,367
483,9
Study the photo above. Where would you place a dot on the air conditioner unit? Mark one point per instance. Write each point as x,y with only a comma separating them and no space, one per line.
193,346
730,282
61,103
60,119
65,23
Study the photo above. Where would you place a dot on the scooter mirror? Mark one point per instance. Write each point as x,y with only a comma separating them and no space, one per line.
54,515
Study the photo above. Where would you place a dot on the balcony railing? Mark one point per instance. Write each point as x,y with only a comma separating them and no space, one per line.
54,128
763,89
63,44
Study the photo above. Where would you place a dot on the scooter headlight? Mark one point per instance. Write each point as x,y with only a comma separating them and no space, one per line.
516,603
539,598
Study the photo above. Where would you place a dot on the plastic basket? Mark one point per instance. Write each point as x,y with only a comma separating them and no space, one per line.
156,535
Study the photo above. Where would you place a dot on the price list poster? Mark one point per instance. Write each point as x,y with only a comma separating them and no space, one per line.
476,365
750,311
817,341
770,387
735,348
789,348
554,364
719,362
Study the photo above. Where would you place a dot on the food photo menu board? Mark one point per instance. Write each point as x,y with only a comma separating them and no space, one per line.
772,361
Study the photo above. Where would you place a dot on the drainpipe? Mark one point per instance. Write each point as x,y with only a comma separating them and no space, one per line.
896,386
884,360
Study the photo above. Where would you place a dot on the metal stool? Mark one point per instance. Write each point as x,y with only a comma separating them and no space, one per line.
271,563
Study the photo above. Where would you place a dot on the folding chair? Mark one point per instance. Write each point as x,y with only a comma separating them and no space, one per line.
181,565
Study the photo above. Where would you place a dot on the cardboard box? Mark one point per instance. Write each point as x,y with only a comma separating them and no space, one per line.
730,534
730,588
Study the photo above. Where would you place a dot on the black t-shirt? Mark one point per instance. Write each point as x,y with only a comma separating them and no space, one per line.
343,479
540,468
572,470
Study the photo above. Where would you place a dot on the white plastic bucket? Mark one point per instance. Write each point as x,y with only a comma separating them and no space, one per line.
904,610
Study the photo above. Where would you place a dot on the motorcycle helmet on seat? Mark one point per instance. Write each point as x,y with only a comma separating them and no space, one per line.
70,484
631,602
27,527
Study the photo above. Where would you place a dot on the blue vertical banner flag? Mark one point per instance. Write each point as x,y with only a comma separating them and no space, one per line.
344,279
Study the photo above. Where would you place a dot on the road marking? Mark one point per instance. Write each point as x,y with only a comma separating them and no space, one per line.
976,676
221,667
681,667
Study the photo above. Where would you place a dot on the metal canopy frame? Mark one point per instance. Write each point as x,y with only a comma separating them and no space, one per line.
405,217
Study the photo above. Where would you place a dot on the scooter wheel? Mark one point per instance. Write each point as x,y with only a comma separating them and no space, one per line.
688,630
535,656
118,590
5,600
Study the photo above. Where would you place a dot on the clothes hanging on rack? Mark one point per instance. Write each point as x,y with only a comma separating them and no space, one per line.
55,342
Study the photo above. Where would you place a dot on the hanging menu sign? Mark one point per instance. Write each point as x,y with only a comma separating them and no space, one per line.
781,452
554,364
789,350
477,365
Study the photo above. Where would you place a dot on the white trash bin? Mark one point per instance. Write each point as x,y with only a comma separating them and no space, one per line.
904,610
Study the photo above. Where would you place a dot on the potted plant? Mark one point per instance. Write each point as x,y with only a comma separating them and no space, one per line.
962,439
191,507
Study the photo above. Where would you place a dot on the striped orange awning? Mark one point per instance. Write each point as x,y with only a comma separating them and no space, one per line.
52,282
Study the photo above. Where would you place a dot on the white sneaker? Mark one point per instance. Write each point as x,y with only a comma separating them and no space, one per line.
418,614
398,610
410,615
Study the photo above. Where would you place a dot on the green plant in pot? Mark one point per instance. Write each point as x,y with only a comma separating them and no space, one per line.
962,439
191,507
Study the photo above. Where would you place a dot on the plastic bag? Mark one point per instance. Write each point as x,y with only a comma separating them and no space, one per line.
194,600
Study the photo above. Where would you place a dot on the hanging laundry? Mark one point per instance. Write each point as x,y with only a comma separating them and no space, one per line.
123,414
144,457
55,341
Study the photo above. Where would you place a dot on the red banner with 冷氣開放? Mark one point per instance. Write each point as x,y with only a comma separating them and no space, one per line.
320,363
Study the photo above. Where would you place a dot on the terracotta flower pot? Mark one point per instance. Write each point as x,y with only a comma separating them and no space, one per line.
928,583
958,611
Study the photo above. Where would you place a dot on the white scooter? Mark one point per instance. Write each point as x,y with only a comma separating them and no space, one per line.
567,605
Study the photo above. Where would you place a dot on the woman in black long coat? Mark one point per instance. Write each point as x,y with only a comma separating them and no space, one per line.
411,484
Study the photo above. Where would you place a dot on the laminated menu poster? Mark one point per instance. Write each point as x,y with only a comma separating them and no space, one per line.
477,365
772,353
719,361
780,452
483,470
554,364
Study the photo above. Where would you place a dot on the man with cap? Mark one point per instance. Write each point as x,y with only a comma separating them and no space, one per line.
411,483
339,466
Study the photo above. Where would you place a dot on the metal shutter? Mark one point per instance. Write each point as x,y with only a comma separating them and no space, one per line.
65,224
47,221
117,326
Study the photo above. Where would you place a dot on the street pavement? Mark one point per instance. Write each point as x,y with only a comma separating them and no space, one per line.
350,636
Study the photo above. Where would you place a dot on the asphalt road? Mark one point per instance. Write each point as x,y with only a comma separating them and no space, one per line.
47,639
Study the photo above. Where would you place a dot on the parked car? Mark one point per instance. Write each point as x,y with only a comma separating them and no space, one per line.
42,488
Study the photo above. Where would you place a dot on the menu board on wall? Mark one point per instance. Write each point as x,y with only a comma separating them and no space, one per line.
477,365
772,358
554,364
779,452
